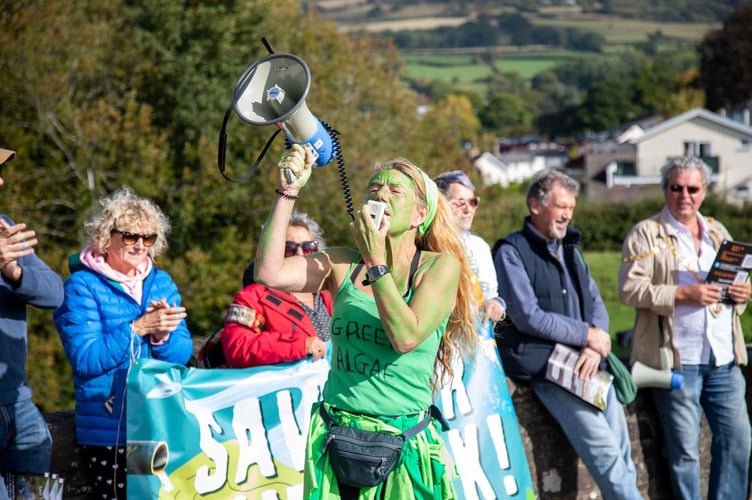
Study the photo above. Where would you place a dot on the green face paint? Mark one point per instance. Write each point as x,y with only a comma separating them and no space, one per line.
396,190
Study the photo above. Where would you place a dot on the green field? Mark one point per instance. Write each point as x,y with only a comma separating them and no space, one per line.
604,267
468,68
620,31
469,71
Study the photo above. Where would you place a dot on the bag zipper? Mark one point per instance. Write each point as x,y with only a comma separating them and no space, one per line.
331,437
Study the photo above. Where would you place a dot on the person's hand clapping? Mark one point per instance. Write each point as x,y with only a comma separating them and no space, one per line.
159,320
295,169
15,243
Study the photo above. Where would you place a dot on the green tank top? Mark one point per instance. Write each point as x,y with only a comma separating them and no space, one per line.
367,375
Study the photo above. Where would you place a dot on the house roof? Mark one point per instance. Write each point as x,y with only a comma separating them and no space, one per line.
691,115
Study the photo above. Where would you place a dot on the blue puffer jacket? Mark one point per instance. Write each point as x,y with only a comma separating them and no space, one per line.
94,326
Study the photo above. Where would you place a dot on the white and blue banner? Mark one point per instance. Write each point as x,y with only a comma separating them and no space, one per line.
240,433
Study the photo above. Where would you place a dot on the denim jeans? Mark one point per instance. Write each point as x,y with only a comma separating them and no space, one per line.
601,439
719,392
25,441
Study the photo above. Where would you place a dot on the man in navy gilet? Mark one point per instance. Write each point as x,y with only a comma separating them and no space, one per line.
551,298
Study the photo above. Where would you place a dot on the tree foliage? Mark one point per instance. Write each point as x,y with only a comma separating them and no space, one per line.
133,92
726,61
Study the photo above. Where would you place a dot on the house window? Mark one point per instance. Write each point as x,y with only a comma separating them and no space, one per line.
745,144
698,149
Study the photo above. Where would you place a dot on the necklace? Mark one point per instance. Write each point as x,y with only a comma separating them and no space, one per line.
665,243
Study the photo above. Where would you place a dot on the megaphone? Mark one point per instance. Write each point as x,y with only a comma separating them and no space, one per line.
272,91
665,378
644,376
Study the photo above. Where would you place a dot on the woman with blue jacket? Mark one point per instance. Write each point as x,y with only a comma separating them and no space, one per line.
118,306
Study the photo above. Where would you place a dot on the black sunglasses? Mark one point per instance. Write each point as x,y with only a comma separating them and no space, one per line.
131,238
308,247
677,188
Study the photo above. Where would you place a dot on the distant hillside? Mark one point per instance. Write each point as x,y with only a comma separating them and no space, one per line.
367,11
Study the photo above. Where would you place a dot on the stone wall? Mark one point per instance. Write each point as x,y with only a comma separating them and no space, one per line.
556,470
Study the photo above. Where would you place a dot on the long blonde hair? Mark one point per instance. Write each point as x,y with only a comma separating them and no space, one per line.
461,337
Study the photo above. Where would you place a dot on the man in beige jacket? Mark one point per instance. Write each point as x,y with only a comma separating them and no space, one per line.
664,263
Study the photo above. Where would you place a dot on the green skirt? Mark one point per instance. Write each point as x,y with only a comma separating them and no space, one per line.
424,471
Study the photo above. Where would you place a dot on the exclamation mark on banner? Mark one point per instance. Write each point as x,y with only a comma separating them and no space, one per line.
496,429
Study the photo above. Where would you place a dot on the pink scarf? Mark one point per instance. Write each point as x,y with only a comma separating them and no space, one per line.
131,284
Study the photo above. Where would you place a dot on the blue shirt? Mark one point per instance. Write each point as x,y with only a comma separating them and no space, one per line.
40,287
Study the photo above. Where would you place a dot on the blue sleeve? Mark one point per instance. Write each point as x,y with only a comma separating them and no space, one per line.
40,286
93,346
600,313
522,303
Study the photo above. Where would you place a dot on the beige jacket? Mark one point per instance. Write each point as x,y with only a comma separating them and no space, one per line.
647,282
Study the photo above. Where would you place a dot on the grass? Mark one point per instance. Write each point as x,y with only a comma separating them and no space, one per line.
618,30
604,266
466,70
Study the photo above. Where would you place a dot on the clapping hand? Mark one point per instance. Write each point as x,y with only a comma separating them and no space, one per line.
15,242
159,320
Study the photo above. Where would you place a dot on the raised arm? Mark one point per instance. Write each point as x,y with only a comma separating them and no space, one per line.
296,273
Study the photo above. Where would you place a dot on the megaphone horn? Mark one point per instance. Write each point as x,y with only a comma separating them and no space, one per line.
644,376
272,91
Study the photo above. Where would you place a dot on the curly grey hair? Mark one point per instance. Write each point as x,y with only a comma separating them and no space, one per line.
685,164
124,208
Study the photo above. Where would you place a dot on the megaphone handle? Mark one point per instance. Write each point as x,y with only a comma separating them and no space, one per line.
289,176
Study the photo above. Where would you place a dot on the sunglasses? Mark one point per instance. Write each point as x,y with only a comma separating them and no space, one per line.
678,188
131,238
460,202
291,247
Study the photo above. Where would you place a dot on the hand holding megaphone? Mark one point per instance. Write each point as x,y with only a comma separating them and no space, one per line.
295,167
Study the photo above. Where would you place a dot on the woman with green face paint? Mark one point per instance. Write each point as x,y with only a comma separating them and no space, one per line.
404,308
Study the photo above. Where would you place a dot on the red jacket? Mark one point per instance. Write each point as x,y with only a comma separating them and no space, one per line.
278,331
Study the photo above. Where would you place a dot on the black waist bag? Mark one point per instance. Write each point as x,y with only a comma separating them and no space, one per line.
364,458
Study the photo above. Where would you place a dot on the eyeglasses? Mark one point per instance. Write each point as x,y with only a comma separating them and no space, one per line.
460,202
131,238
678,188
291,247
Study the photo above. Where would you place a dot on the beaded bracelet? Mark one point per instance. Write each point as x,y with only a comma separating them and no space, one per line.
285,195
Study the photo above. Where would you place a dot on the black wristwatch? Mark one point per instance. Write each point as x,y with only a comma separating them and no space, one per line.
374,273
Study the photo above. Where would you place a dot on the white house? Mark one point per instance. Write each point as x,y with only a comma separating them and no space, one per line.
724,144
515,167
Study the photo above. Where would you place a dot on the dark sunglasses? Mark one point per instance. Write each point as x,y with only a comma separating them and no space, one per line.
460,202
677,188
131,238
291,247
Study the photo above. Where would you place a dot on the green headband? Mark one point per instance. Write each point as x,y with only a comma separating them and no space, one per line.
432,195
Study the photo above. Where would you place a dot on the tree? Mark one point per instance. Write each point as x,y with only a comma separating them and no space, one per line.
132,92
506,114
607,104
726,61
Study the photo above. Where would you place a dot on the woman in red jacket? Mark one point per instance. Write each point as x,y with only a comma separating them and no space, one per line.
264,326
